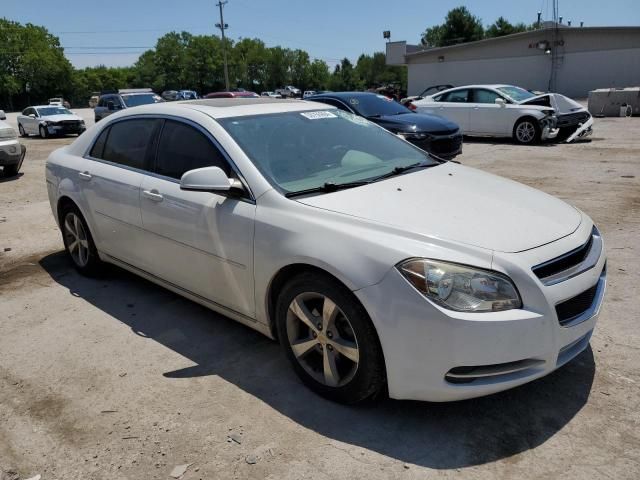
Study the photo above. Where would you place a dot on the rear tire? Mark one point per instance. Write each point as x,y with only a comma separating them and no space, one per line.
78,241
527,131
329,339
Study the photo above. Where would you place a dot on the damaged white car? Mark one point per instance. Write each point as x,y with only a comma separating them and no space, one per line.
508,111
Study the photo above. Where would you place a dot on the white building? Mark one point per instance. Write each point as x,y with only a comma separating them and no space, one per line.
568,60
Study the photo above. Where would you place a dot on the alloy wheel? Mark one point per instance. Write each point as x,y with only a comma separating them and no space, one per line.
76,239
322,339
525,132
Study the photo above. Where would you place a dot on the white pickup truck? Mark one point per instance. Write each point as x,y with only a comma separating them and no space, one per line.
289,92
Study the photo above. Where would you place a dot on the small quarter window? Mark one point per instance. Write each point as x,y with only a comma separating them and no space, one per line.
98,147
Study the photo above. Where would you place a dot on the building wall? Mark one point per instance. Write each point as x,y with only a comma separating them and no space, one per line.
587,59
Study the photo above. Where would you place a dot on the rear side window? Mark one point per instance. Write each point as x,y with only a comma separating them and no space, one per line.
457,96
128,141
183,148
98,147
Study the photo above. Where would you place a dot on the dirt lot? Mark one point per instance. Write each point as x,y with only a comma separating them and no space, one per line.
116,378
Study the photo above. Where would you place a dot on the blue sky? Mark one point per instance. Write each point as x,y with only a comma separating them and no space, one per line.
115,32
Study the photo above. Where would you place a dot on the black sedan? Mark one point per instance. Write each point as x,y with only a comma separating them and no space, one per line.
429,132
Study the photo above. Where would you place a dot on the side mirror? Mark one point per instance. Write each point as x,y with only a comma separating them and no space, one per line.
500,101
208,179
110,105
32,115
3,116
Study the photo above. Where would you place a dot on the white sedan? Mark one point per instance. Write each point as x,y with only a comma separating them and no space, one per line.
48,120
493,110
376,266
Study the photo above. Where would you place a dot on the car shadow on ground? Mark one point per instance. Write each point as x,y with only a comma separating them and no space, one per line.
11,178
506,141
435,435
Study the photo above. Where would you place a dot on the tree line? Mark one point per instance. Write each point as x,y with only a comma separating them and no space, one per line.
461,26
33,68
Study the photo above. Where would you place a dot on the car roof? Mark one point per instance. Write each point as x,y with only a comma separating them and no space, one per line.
228,107
43,106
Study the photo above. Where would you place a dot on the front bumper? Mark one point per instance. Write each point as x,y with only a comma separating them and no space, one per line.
65,128
439,355
444,146
11,152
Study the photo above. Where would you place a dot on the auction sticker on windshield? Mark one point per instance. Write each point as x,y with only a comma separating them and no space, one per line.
317,115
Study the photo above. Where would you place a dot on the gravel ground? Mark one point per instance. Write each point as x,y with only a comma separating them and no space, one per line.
115,378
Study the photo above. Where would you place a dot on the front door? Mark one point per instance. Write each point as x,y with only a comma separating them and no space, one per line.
199,241
486,117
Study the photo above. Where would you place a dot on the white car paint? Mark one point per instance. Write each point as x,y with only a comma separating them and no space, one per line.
224,252
484,119
31,123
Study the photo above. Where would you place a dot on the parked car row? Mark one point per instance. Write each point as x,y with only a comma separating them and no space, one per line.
506,111
378,267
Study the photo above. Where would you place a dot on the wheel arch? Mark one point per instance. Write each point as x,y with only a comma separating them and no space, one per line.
525,116
286,273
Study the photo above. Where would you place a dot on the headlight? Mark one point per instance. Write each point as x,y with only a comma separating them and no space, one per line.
7,134
461,288
412,135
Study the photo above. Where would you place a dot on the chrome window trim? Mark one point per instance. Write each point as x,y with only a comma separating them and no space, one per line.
250,196
590,261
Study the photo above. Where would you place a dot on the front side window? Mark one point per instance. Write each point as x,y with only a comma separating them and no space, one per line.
298,151
457,96
183,148
485,96
128,141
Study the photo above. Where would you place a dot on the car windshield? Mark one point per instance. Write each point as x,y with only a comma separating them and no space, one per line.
376,106
141,99
516,93
45,112
299,151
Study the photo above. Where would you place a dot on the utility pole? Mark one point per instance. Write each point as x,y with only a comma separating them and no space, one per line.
223,26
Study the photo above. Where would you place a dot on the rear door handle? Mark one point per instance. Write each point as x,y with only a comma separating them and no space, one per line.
86,176
153,195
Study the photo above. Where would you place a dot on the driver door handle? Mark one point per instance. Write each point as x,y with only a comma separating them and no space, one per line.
153,195
86,176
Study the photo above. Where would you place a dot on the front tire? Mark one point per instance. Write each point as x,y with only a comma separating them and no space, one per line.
21,130
43,132
329,339
527,131
78,241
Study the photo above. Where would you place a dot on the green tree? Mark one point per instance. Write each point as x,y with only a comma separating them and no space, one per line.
319,75
32,65
459,26
503,27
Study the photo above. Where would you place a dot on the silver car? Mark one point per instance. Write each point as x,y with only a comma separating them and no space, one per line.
376,266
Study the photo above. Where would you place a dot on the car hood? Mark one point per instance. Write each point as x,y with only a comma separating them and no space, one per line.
560,104
459,204
59,118
416,122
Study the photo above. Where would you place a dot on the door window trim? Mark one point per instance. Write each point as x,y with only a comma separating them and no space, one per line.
155,139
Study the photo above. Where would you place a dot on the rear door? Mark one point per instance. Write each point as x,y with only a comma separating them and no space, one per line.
199,241
453,105
116,164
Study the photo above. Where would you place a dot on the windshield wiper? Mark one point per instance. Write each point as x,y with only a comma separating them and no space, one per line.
399,170
328,187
